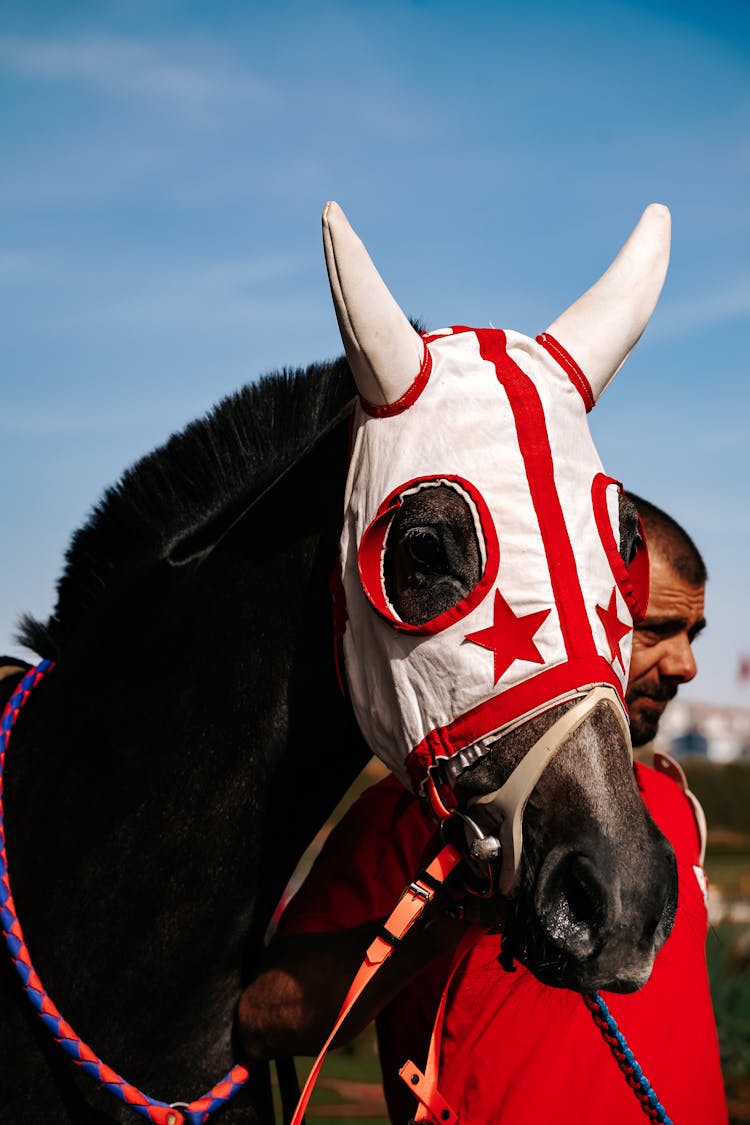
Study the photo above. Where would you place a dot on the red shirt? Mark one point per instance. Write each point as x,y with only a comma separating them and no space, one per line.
515,1050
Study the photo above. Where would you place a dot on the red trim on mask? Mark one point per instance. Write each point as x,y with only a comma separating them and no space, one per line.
632,581
408,398
503,708
533,441
454,330
372,547
570,367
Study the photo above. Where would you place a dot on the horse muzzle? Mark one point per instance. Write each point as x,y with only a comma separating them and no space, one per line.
585,914
494,822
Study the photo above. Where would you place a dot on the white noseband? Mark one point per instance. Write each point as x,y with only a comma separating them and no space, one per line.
506,805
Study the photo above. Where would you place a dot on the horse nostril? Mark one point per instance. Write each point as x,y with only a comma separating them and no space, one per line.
580,890
600,921
572,904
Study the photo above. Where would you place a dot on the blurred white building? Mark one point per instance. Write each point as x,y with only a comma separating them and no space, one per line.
721,734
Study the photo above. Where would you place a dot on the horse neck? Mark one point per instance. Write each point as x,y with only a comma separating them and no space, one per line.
177,777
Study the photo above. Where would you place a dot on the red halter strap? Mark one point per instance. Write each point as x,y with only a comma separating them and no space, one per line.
432,1105
408,909
193,1113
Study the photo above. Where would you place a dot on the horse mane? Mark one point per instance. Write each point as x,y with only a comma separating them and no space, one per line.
216,466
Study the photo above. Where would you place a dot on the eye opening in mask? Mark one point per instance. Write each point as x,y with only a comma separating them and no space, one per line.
632,577
374,545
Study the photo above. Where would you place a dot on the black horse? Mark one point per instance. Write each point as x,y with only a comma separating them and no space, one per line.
166,776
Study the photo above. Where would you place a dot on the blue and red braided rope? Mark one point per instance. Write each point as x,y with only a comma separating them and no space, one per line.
196,1112
626,1060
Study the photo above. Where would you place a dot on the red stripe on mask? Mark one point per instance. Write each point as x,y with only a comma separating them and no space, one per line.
505,707
533,440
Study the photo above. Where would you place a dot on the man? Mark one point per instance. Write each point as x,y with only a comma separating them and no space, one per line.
512,1049
662,657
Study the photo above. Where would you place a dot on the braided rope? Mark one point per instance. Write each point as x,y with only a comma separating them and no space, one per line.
194,1113
626,1060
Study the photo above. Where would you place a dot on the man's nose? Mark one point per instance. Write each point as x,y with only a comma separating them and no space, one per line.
678,662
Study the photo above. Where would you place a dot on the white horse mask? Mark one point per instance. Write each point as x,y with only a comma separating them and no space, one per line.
500,419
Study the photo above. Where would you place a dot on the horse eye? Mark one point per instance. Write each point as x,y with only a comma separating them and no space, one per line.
636,546
630,537
432,558
424,546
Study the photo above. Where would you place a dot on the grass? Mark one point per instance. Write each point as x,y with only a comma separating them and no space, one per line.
728,952
349,1087
728,869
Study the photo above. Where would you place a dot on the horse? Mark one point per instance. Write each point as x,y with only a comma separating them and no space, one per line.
227,626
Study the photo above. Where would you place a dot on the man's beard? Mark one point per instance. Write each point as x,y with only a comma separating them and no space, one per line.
644,721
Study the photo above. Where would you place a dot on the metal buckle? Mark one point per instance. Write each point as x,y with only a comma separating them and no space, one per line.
419,891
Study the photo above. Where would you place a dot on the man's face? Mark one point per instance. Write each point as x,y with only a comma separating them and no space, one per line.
662,654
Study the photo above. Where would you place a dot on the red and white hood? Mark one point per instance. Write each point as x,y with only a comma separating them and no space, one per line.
500,418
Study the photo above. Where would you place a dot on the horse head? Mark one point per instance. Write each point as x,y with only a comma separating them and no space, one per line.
492,573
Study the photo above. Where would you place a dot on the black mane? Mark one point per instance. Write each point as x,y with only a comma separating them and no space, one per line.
208,472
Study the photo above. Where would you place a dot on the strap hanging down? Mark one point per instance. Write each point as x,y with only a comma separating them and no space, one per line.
432,1105
408,909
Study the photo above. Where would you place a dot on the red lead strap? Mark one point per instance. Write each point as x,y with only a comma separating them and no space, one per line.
432,1105
408,909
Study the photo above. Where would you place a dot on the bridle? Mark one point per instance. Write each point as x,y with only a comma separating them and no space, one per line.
497,844
493,822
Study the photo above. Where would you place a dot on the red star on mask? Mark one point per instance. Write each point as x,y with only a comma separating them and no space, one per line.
509,637
613,627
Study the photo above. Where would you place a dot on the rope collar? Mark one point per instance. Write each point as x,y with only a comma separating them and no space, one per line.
178,1113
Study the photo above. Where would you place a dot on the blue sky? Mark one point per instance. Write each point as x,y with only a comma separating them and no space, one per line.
164,166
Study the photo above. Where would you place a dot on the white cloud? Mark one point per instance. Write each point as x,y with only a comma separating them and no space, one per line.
225,293
184,77
700,311
17,265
